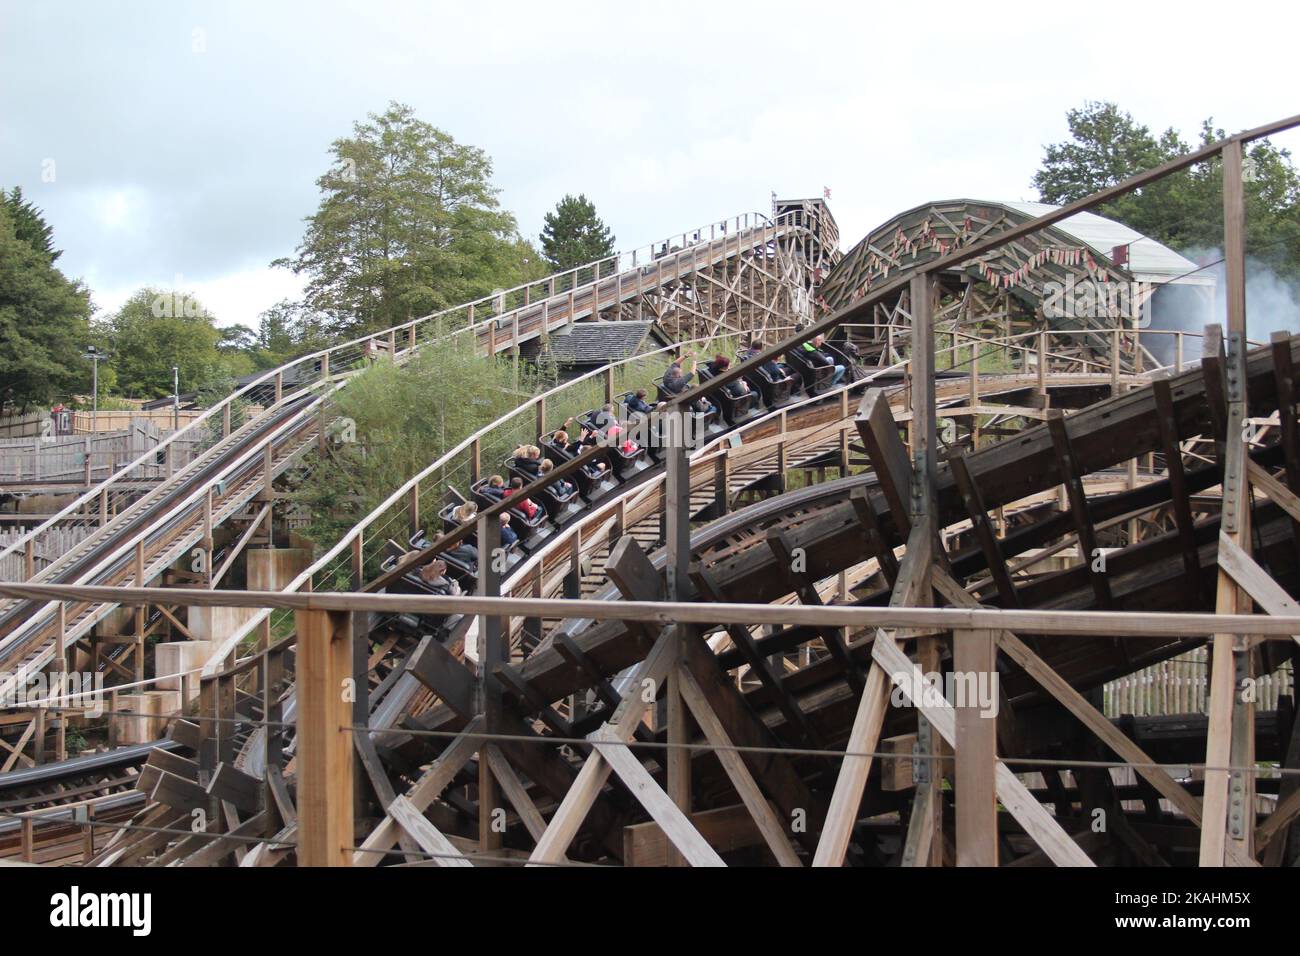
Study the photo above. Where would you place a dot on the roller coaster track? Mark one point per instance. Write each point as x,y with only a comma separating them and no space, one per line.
132,540
558,706
812,433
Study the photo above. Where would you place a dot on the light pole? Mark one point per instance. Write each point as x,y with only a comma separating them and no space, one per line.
95,355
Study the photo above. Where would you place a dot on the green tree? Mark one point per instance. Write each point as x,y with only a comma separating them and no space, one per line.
155,330
408,224
1183,210
574,235
29,224
44,316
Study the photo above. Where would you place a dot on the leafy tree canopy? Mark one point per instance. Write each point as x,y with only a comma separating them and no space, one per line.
574,235
44,316
408,224
155,330
1183,210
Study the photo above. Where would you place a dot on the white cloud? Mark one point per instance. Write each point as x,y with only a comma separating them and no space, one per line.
236,298
666,117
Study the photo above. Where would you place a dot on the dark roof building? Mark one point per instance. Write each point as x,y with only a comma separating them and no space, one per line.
582,346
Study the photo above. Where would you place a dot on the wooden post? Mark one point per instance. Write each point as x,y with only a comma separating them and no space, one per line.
677,496
976,793
61,658
924,471
140,608
324,663
494,649
1229,803
1042,361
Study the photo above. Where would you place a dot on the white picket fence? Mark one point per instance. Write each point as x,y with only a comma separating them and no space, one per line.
1180,686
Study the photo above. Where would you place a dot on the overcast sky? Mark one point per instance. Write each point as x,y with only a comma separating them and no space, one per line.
185,139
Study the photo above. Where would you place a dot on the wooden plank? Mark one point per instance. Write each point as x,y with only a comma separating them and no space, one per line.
1041,826
429,837
1077,704
234,786
595,770
675,824
444,674
1277,492
1178,493
1257,582
760,665
515,792
768,823
324,755
919,843
879,433
1073,482
1283,814
974,652
725,829
876,543
422,793
984,534
774,771
806,589
854,770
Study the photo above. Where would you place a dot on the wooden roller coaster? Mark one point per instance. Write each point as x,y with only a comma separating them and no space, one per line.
784,618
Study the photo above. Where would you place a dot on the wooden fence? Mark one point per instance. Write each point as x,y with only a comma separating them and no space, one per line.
76,457
32,425
55,543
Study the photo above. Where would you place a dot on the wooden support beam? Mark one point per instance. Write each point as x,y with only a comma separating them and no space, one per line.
760,665
1284,383
430,839
876,542
423,792
1255,581
974,655
596,769
804,586
854,770
675,824
768,822
985,536
1041,826
515,792
879,433
1178,493
1073,482
324,756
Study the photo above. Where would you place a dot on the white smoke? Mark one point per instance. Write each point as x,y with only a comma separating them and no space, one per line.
1272,302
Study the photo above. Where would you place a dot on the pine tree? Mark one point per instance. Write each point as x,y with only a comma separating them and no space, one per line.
573,235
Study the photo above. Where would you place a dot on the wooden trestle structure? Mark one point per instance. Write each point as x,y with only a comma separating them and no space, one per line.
755,682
